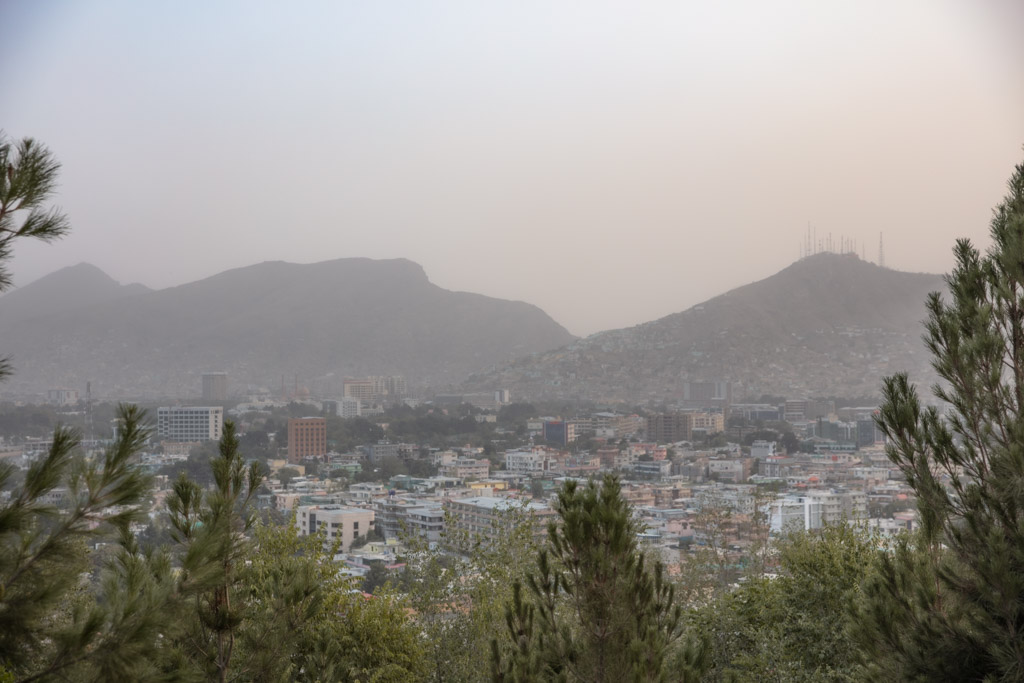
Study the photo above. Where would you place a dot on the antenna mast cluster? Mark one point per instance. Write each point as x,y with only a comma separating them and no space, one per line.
811,245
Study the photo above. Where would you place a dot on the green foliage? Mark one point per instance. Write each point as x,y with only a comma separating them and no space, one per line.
459,598
306,622
950,604
285,476
28,178
594,611
344,434
211,527
793,627
48,624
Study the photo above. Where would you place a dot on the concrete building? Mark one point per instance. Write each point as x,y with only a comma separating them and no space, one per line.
532,461
339,523
62,397
190,423
215,386
394,518
561,432
307,436
491,519
670,427
343,407
466,468
763,449
361,389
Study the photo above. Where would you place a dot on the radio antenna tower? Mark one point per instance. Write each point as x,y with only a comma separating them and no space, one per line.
881,252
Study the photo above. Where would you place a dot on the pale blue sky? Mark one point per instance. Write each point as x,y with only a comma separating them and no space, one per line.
609,162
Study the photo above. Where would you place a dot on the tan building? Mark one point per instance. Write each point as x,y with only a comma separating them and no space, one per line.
307,436
466,468
340,523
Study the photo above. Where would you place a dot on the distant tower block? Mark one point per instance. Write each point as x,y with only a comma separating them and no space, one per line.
881,252
215,386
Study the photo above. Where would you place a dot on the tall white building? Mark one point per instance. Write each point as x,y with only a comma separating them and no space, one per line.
190,423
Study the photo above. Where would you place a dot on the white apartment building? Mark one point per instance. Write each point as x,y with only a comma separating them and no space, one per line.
339,522
466,468
530,461
818,508
190,423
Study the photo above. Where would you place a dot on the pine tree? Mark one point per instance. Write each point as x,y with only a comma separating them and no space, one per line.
28,178
48,625
594,610
212,528
949,605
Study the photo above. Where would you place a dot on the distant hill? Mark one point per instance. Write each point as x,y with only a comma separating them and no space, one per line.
68,289
828,325
263,324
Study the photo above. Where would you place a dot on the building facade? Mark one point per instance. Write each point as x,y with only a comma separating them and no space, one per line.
340,523
307,436
190,423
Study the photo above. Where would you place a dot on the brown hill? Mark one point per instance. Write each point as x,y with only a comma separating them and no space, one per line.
259,323
828,325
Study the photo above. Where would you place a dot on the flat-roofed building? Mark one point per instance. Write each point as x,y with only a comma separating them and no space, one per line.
466,468
491,519
190,423
307,436
339,523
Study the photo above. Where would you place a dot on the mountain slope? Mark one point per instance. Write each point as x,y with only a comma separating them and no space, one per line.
828,325
65,290
273,320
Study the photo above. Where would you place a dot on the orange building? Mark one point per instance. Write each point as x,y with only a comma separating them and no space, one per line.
306,436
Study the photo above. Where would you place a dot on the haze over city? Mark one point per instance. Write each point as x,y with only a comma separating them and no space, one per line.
611,163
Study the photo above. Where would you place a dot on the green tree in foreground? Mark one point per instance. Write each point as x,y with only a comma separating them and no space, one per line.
212,527
594,611
949,605
28,178
792,627
48,623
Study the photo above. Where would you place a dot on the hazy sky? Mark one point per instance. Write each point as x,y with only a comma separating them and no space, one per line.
609,162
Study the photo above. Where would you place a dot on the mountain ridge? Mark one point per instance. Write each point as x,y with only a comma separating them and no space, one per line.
829,324
332,318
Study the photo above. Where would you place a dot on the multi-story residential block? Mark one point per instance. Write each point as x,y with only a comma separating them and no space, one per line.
708,423
536,460
733,470
668,427
491,519
395,518
652,468
839,506
375,387
190,423
344,524
307,437
466,468
346,407
561,432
